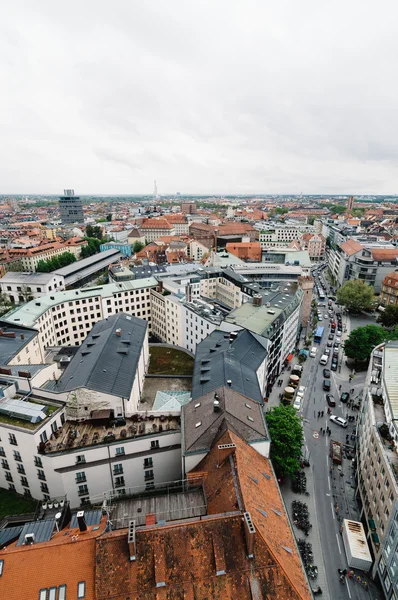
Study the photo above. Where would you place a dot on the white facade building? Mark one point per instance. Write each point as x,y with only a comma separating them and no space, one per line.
21,287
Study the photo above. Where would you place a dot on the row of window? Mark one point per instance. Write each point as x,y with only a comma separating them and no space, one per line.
59,593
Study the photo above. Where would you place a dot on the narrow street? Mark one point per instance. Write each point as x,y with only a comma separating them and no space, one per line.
332,491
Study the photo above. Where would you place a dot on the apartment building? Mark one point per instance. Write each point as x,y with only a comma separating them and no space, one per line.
20,287
152,229
65,318
367,262
29,257
315,244
279,236
82,434
389,289
19,345
377,464
179,222
70,208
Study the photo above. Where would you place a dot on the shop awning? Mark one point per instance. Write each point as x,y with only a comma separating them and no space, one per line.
372,524
375,538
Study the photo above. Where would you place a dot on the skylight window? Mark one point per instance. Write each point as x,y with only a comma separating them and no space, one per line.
250,419
248,405
198,424
197,405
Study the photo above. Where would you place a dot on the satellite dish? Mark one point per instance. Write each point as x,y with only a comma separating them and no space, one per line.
58,516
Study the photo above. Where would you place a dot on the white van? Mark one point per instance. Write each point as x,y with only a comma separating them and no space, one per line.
324,359
313,352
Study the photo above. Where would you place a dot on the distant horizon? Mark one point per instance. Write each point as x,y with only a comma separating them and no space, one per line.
181,195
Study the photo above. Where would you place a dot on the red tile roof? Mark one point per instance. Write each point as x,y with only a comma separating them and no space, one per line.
384,253
351,247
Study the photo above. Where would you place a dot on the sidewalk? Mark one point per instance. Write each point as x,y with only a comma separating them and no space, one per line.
314,534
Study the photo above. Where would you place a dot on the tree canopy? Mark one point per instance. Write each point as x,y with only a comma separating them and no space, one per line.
94,231
286,439
56,262
338,209
361,341
138,246
355,295
389,317
93,247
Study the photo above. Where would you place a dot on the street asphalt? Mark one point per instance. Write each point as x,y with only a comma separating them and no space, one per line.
332,491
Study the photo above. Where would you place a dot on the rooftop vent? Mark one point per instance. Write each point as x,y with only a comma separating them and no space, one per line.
250,532
81,521
229,382
216,405
29,539
118,332
198,424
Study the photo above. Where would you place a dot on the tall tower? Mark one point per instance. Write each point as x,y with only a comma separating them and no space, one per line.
350,203
306,282
155,190
70,208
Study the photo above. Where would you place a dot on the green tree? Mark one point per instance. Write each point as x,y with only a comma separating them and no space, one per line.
286,439
355,296
93,247
389,317
109,217
94,231
138,246
311,220
338,209
361,341
56,262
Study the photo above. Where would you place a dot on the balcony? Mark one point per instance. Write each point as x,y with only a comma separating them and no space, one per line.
81,479
83,492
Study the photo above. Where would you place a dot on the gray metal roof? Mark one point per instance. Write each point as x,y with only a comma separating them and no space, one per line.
9,534
10,346
84,263
27,278
217,361
91,517
106,362
42,530
201,424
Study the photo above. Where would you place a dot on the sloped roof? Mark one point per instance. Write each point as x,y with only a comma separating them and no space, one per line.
218,361
106,362
236,411
393,276
259,495
351,247
384,253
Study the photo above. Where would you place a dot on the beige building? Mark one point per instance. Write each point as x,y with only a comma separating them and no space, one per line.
389,289
377,463
315,244
152,229
29,257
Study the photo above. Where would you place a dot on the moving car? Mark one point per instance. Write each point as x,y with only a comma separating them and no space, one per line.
345,396
326,385
338,420
339,333
324,359
326,373
329,344
330,400
313,352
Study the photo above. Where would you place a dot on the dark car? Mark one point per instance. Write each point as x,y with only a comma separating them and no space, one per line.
329,344
330,400
345,396
333,366
331,336
326,373
326,385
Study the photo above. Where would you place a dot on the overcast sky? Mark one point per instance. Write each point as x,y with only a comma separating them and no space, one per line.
205,96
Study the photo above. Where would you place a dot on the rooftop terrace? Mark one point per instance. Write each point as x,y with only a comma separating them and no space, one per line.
73,434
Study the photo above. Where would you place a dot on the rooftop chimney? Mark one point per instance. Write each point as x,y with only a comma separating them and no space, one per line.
131,540
81,521
216,405
249,534
22,336
224,450
257,300
118,332
229,382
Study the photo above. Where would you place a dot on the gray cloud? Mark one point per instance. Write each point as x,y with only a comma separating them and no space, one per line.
277,96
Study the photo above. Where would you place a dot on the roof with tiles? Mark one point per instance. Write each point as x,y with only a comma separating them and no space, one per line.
197,560
391,276
156,224
384,253
258,494
66,559
351,247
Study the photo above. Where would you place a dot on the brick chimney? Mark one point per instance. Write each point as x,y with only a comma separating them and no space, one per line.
250,534
131,540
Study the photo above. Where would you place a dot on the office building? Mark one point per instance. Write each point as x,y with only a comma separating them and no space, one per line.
71,208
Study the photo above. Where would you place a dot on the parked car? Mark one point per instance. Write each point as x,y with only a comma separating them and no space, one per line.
300,392
330,400
331,336
297,403
326,385
327,351
326,373
338,420
329,344
345,396
333,366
